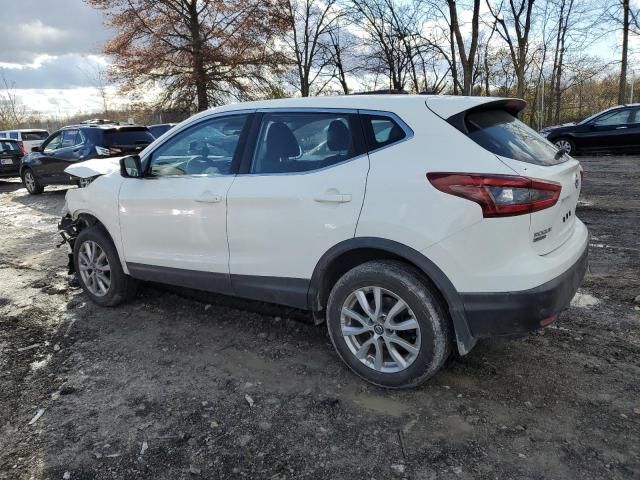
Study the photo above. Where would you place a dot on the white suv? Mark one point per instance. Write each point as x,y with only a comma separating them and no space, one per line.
412,224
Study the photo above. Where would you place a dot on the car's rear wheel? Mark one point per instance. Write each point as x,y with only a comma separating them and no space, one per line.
566,144
99,270
31,183
388,324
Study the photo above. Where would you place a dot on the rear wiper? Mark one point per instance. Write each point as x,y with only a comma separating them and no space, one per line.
561,153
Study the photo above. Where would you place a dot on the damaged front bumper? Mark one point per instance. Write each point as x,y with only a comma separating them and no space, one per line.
68,228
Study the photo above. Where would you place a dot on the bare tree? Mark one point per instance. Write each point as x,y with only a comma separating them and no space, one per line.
514,26
310,23
467,57
12,111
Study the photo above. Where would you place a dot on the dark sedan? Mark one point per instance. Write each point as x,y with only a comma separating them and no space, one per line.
10,156
614,130
45,164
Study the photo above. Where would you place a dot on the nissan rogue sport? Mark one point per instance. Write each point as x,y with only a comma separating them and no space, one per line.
412,225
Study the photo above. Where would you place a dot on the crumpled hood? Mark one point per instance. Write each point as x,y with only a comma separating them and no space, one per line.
94,167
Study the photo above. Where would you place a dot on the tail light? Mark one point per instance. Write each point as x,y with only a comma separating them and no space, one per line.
107,151
499,195
21,147
581,174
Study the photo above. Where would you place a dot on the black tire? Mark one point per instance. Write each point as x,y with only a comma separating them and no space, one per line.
122,287
572,145
31,183
425,303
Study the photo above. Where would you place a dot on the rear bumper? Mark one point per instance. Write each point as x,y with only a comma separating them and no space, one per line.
505,313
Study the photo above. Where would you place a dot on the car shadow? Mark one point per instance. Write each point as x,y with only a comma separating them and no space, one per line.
49,202
10,185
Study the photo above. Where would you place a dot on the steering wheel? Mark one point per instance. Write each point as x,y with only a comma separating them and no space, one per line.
199,164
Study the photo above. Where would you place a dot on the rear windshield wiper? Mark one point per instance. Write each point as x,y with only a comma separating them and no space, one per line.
560,153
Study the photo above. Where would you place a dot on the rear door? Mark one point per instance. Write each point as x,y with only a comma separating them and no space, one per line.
299,193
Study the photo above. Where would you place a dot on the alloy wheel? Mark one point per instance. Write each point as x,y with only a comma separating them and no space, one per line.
380,329
564,145
94,267
29,181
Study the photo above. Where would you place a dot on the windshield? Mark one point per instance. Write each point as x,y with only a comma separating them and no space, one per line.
503,134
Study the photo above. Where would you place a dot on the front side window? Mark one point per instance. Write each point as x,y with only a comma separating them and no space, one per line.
53,143
503,134
208,148
614,118
300,142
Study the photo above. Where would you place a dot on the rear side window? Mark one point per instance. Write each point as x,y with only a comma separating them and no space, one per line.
126,137
13,135
381,130
503,134
30,136
301,142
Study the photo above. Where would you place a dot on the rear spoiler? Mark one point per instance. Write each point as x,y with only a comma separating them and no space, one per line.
511,105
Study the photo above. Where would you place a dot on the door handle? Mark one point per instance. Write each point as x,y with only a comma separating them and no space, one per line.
621,128
208,197
333,198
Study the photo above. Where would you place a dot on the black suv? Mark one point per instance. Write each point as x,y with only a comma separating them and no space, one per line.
45,164
613,130
10,155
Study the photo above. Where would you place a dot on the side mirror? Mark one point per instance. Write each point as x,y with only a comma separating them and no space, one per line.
35,149
131,167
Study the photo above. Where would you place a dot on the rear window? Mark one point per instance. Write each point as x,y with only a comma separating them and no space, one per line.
30,136
6,146
503,134
381,130
127,137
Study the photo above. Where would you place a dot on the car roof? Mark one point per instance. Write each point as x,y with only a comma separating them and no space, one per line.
101,126
26,130
445,105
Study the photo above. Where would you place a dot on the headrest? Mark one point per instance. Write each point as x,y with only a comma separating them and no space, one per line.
281,142
338,137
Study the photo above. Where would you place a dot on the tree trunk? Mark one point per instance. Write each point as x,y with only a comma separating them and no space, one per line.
199,74
625,54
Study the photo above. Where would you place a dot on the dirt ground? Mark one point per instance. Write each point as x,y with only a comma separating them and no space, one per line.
174,386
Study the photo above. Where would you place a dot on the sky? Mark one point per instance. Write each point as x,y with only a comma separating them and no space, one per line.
52,54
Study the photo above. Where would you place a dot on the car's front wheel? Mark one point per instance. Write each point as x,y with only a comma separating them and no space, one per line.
566,144
98,268
31,182
388,324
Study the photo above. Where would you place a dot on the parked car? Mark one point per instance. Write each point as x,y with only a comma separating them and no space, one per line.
160,128
412,224
27,138
45,165
10,156
614,130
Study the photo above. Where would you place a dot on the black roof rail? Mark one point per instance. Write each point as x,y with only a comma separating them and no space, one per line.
388,91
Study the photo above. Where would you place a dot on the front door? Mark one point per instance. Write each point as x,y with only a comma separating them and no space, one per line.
300,193
173,220
68,152
609,132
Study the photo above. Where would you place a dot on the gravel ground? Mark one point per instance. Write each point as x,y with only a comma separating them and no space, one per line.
177,385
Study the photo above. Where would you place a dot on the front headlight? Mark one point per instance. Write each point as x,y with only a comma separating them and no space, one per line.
84,182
